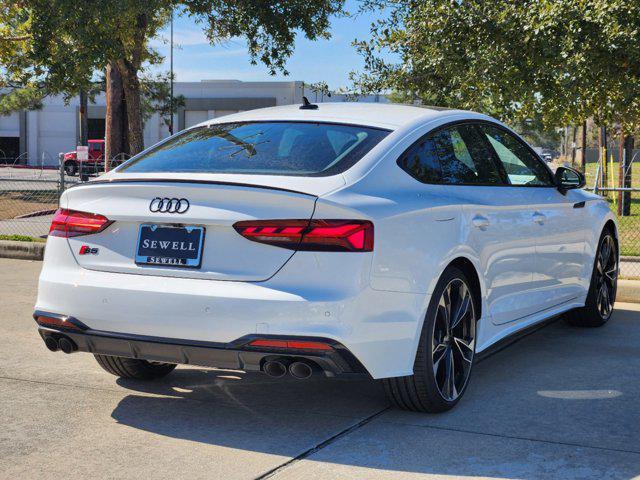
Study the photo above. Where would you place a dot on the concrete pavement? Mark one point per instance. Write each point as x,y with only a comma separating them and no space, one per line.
560,403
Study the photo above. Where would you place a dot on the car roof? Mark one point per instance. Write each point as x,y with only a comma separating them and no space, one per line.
381,115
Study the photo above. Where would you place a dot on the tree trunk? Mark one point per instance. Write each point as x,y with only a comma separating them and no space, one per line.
82,120
573,147
132,93
584,146
115,131
604,176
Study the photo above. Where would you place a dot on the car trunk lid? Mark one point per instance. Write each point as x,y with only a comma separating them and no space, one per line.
215,206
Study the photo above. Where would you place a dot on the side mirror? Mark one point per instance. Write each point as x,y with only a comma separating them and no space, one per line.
568,179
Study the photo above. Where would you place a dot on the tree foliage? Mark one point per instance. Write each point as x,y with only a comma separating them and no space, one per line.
556,61
68,42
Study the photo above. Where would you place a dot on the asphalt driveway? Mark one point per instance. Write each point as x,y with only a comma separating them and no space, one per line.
560,403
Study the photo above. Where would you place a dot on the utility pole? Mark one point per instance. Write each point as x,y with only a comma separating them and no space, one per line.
584,146
171,79
625,162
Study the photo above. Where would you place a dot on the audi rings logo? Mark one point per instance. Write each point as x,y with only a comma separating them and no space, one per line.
169,205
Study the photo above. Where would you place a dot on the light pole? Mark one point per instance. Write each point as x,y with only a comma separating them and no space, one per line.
171,78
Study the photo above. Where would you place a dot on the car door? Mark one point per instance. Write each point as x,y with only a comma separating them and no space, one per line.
557,219
496,219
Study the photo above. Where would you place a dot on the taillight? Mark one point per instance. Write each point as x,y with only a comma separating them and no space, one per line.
71,223
314,235
290,344
59,322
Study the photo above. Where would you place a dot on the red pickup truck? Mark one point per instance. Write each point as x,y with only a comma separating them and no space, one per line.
93,165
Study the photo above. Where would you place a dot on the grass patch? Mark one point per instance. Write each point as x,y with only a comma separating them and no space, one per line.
22,238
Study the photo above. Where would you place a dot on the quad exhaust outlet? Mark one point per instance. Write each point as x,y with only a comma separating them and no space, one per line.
63,343
279,367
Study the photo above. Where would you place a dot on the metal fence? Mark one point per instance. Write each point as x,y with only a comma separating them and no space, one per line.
29,198
605,178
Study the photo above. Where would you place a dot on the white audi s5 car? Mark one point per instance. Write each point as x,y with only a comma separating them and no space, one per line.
396,242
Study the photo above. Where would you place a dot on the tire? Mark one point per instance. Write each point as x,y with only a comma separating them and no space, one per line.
427,390
71,168
133,368
599,304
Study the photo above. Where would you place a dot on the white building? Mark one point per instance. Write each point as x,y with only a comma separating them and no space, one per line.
38,136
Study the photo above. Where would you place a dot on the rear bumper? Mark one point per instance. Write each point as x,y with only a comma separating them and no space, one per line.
380,328
236,355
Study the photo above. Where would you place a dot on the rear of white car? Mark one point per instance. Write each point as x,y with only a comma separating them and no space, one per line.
392,241
226,268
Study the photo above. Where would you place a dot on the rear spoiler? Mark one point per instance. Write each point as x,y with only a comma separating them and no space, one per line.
173,180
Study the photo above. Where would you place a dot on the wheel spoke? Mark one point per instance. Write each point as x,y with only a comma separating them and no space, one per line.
465,348
606,299
602,300
463,308
605,252
445,306
438,354
450,381
599,266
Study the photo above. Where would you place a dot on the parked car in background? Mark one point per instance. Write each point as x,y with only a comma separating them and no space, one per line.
94,164
396,242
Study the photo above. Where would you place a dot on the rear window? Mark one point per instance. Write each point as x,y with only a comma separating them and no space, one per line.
266,148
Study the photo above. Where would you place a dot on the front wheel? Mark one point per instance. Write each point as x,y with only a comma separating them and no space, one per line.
602,290
134,368
71,168
445,352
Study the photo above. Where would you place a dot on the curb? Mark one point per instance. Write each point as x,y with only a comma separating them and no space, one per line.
21,250
628,291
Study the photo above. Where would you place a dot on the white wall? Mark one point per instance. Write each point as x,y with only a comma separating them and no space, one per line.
54,128
10,125
285,93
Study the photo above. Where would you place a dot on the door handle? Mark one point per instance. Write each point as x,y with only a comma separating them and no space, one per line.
539,217
480,221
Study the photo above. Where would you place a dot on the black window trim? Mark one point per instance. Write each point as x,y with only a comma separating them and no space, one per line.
498,164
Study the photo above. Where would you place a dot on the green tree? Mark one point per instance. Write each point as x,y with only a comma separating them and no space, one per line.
557,62
68,41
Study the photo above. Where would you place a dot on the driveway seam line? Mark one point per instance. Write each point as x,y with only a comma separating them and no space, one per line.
513,437
325,443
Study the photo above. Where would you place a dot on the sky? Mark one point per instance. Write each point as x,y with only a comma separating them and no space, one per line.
313,61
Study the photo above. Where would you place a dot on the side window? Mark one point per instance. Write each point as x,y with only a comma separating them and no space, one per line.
521,165
420,161
454,155
464,157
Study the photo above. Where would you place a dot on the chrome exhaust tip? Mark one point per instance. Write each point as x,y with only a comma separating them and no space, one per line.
51,343
67,345
274,368
300,370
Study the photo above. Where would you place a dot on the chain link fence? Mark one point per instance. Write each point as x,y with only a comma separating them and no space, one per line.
605,178
28,199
